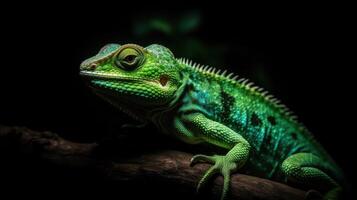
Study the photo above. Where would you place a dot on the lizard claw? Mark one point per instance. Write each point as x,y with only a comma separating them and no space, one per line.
206,177
201,159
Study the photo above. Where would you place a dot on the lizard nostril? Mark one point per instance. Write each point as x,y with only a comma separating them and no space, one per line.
92,66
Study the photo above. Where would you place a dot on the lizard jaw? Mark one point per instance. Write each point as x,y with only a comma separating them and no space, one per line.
131,109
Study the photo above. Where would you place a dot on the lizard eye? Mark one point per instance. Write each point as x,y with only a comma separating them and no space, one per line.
129,58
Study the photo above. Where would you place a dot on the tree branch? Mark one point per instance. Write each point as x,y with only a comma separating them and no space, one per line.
160,168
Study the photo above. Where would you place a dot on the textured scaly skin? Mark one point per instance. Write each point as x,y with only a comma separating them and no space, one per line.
199,105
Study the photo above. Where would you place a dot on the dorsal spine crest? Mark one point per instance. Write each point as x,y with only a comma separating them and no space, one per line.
242,82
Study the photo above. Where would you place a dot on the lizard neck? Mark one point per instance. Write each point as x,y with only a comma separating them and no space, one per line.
158,114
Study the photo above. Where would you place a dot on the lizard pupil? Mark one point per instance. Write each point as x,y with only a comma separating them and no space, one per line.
130,58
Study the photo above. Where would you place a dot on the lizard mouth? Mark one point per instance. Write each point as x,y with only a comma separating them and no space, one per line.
88,75
118,87
107,83
114,89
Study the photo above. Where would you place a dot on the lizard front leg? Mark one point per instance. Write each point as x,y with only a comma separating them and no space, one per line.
218,134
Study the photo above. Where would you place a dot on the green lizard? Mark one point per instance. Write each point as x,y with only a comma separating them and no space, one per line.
198,104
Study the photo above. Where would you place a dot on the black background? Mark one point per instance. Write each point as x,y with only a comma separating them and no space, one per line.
304,51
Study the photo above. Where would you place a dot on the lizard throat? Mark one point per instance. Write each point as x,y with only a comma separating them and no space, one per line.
134,111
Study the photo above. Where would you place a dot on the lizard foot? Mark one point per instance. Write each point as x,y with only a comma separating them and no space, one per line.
221,165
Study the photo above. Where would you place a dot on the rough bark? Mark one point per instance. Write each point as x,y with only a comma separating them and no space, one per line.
162,167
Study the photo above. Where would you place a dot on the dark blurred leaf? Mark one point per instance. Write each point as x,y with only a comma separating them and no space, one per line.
189,22
146,26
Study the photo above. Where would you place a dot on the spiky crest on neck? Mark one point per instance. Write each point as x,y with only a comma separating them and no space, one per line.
244,83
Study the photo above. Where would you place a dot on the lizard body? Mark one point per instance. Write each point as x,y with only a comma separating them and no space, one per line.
199,104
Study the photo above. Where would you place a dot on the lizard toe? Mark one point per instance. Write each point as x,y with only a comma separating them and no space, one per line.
201,159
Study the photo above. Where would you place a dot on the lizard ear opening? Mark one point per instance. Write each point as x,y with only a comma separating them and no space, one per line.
164,79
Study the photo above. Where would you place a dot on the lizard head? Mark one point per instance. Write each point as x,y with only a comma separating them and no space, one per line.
134,78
